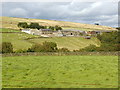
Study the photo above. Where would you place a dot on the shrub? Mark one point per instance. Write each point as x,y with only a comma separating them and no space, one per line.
36,48
45,47
7,47
63,50
89,48
20,51
49,46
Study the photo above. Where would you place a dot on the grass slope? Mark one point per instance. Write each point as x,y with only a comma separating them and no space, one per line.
8,30
17,39
11,22
19,42
60,72
72,43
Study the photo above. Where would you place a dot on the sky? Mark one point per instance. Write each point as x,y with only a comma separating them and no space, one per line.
104,13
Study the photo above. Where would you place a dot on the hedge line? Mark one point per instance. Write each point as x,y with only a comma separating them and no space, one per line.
61,54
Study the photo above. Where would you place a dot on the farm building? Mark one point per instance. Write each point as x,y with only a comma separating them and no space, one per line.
26,31
58,33
71,32
46,31
97,32
87,37
35,32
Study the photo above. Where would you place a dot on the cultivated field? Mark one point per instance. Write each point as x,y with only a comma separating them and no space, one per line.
11,22
60,72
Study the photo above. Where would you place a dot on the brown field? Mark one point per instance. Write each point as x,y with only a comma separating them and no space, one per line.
11,22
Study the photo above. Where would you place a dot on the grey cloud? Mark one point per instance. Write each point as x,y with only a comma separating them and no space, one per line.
83,12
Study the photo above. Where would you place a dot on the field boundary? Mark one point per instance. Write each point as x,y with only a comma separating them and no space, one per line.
61,54
114,86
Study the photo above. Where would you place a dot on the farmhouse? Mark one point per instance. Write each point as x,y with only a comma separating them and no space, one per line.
26,31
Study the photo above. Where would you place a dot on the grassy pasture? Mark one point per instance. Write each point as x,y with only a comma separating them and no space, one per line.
60,71
72,43
17,39
8,30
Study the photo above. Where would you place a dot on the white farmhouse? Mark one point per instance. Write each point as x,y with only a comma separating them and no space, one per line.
26,31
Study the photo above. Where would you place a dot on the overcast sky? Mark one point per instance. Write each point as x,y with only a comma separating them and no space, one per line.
104,13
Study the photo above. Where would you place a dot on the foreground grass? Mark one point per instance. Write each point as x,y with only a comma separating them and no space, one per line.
60,71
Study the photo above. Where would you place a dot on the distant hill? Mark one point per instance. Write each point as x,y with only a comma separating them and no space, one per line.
11,22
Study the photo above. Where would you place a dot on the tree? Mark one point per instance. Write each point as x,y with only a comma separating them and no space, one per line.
118,28
96,23
57,28
7,47
52,28
109,41
34,26
22,25
49,46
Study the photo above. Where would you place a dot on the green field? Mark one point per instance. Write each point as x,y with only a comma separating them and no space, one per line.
60,72
72,43
8,30
18,40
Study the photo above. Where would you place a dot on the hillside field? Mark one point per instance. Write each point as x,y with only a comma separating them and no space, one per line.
24,41
11,22
60,72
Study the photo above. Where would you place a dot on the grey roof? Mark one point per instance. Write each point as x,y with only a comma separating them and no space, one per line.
26,29
46,29
67,30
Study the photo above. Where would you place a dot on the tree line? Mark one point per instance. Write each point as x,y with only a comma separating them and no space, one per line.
37,26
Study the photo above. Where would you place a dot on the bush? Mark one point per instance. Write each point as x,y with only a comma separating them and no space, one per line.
89,48
36,48
63,50
49,46
45,47
20,51
7,47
